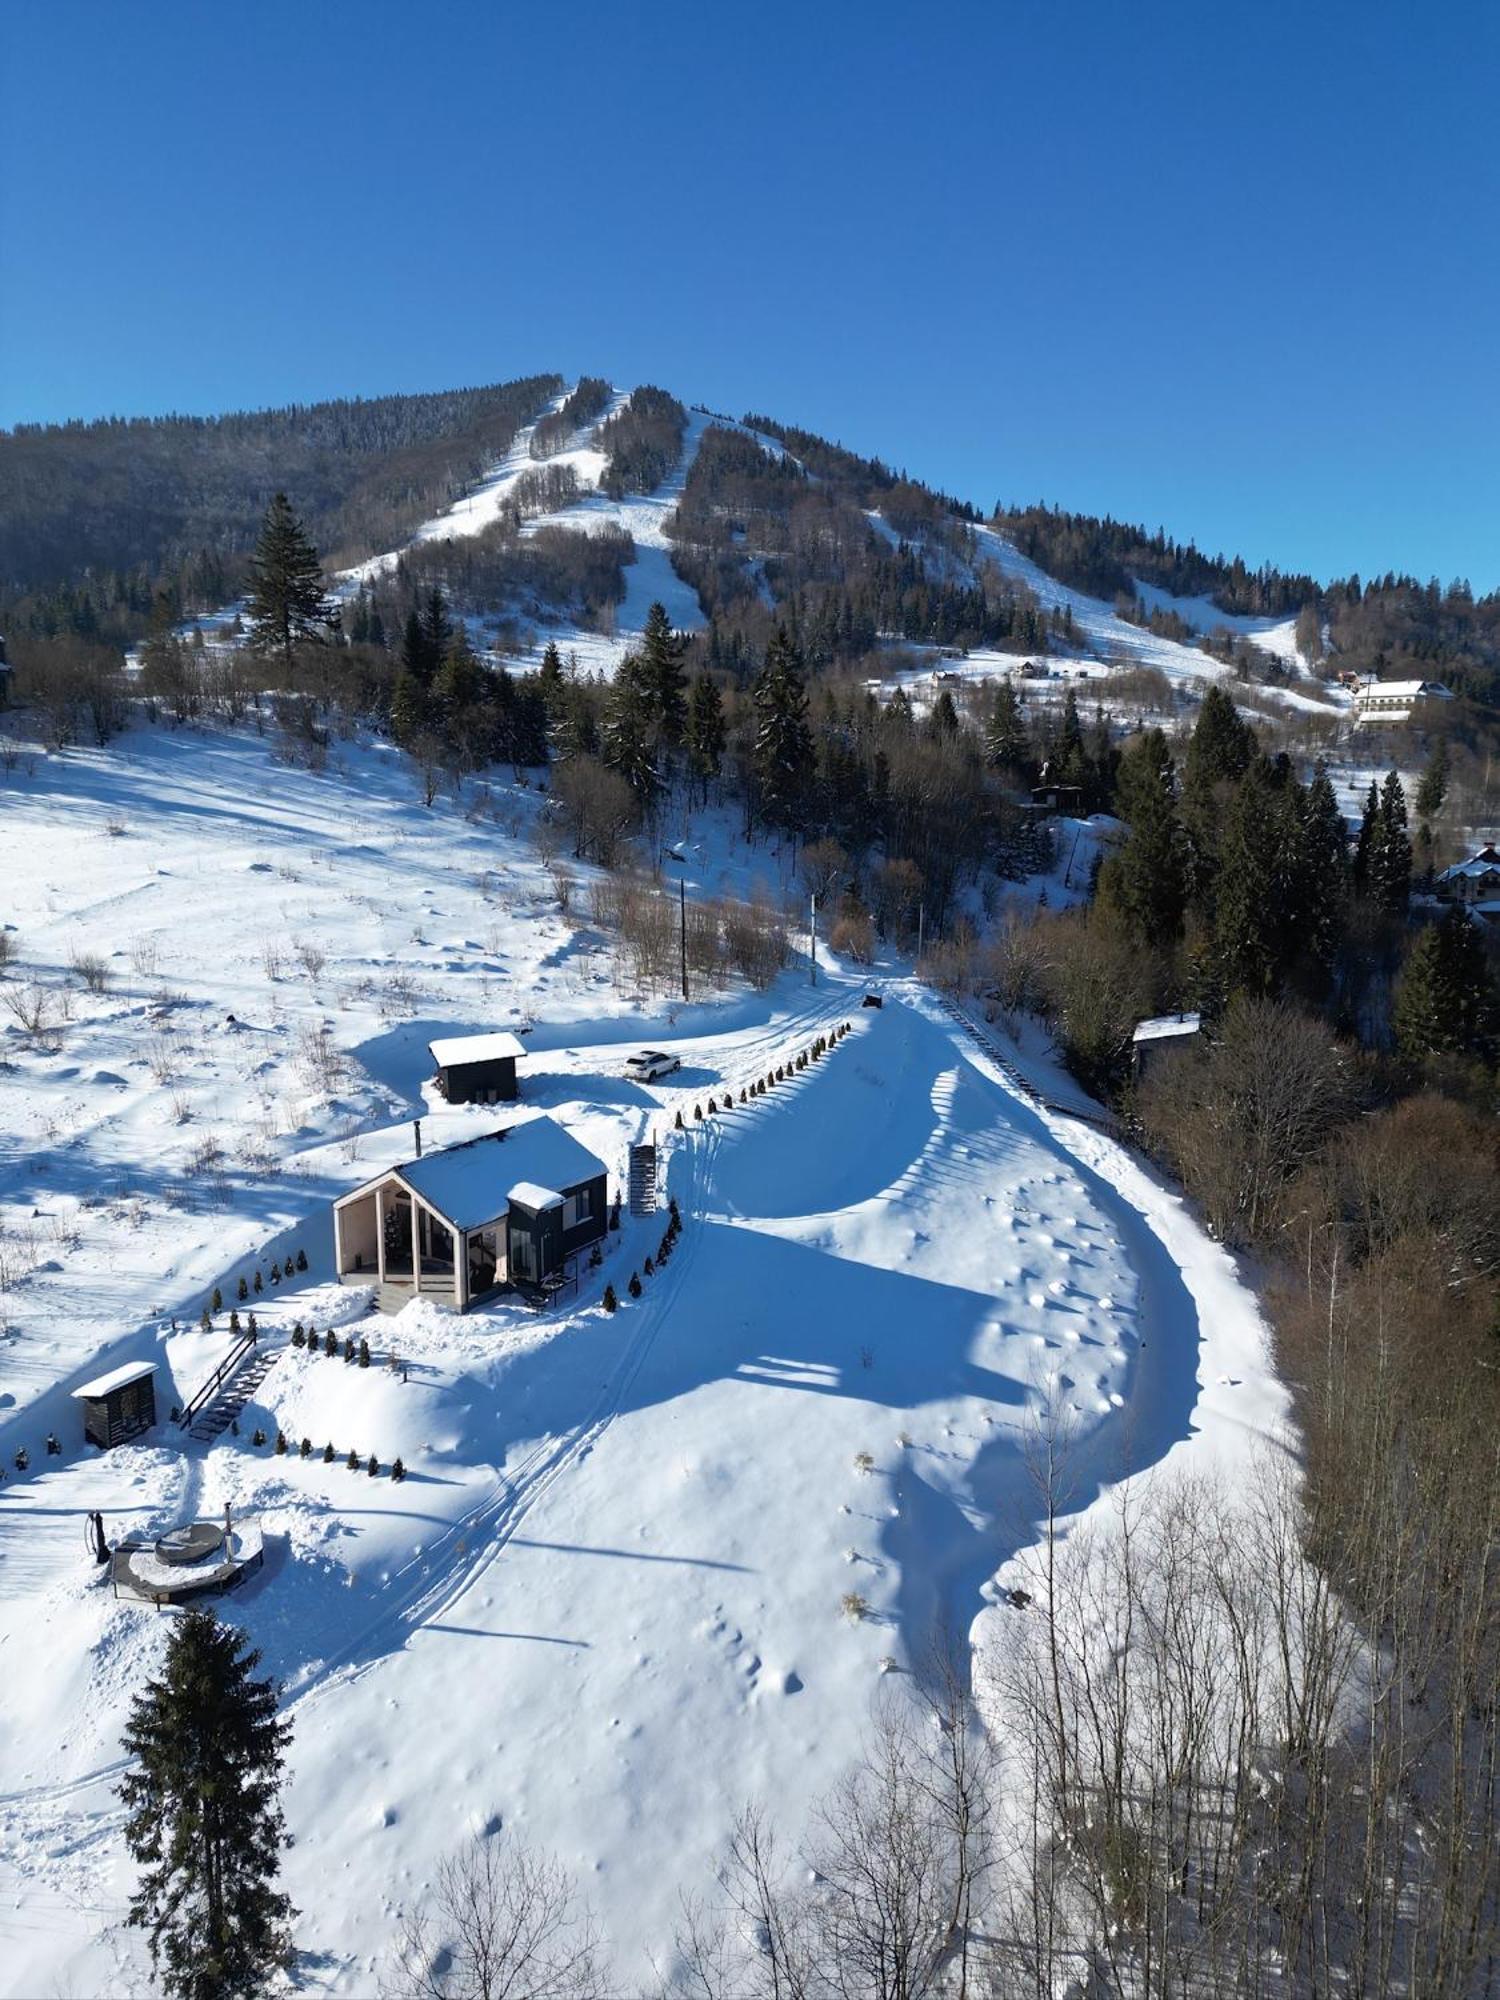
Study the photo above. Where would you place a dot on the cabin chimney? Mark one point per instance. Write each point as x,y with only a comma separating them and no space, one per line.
416,1126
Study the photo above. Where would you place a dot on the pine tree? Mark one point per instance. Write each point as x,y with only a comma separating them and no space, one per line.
1368,825
1255,928
706,732
551,686
1390,850
1323,871
204,1821
1444,1001
783,741
662,675
288,597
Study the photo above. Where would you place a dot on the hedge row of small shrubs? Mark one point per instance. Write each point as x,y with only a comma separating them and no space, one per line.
328,1343
781,1074
371,1465
248,1286
652,1264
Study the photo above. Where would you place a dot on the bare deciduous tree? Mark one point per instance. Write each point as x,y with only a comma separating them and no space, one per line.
501,1923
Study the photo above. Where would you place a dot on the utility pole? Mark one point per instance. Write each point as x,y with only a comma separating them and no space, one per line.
812,937
682,893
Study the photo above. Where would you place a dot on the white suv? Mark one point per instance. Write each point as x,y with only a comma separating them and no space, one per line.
650,1064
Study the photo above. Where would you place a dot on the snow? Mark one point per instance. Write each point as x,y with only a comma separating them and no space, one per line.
1167,1027
604,1606
529,1195
117,1378
453,1049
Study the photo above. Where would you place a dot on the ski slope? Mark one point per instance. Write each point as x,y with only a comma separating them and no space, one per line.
604,1610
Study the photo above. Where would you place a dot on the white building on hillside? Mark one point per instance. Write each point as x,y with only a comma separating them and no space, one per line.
1395,701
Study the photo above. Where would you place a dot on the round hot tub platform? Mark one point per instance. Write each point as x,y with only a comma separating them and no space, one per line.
189,1561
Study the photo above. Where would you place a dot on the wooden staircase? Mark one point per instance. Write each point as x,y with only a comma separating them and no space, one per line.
1090,1115
642,1182
214,1416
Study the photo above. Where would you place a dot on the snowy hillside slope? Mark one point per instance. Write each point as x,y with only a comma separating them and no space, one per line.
604,1610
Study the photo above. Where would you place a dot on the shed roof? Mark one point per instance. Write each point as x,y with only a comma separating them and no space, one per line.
117,1378
470,1183
454,1049
1164,1026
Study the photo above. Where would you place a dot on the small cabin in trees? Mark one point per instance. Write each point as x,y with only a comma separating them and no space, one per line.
461,1224
1156,1040
120,1405
477,1069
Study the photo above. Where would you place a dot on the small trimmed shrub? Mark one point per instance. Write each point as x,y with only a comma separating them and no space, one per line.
742,1093
258,1438
364,1353
649,1268
259,1287
352,1461
242,1291
216,1303
610,1301
349,1349
234,1322
206,1320
712,1107
281,1444
252,1327
678,1124
328,1454
398,1470
275,1274
331,1344
373,1468
304,1450
634,1287
301,1260
698,1113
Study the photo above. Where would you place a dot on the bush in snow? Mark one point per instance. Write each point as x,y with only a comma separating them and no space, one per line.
364,1353
348,1346
674,1211
301,1260
863,1462
698,1112
373,1467
328,1454
649,1268
243,1291
216,1303
305,1448
854,1606
206,1320
677,1123
634,1287
299,1338
275,1274
610,1301
281,1444
234,1322
353,1459
398,1470
252,1327
712,1107
259,1287
258,1438
742,1093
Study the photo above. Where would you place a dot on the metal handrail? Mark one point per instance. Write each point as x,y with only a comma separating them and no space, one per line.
216,1381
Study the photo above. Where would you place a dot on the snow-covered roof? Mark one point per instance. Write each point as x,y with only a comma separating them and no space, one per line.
1402,691
474,1048
529,1195
470,1183
1164,1026
117,1378
1485,862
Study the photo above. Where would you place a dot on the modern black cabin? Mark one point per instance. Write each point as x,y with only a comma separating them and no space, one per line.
477,1069
458,1225
118,1406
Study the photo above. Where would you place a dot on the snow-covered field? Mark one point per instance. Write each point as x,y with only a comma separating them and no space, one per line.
604,1609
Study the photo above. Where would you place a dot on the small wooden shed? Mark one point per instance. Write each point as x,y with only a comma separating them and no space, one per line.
477,1069
120,1405
1156,1040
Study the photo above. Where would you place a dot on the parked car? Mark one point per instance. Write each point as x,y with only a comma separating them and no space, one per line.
650,1064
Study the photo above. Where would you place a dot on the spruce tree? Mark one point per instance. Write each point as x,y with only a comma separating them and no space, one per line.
288,597
662,677
706,732
783,740
1006,744
204,1820
629,732
1364,843
1323,871
1255,924
1444,1001
1146,881
1433,788
1389,860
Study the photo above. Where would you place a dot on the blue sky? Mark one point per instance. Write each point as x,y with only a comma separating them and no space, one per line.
1230,270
